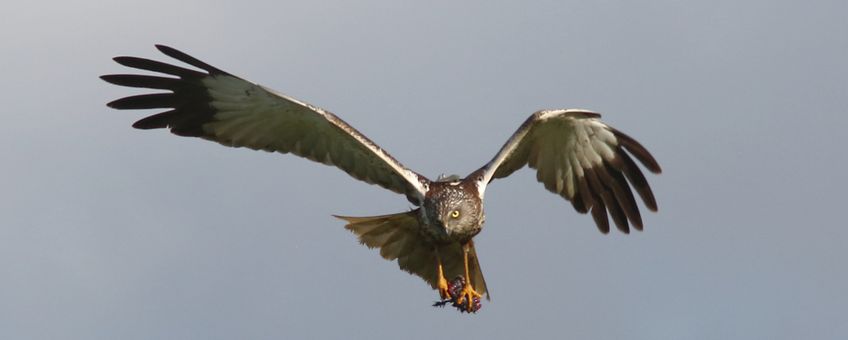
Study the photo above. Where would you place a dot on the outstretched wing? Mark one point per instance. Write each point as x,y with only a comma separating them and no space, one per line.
581,159
221,107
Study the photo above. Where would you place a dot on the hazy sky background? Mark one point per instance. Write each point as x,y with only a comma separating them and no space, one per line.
107,232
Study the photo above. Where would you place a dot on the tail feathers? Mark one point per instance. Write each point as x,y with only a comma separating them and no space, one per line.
394,234
398,238
477,272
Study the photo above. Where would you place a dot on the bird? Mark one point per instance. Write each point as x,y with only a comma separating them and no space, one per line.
575,155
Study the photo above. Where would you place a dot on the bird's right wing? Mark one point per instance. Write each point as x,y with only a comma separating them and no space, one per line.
582,159
220,107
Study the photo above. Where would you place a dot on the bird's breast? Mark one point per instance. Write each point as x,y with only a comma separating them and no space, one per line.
463,233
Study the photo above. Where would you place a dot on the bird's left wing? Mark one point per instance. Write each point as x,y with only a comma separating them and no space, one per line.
218,106
581,159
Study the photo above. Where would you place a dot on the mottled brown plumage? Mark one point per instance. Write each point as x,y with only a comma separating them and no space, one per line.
576,156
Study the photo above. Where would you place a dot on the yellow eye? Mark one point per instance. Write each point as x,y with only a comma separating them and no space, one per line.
454,214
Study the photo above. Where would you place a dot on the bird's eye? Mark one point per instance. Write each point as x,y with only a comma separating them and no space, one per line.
454,214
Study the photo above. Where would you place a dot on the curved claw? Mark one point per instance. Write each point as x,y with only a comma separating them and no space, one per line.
467,295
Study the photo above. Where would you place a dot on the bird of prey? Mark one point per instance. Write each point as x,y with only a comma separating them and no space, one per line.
574,153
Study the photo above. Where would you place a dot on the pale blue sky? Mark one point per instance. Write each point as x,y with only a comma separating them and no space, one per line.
112,233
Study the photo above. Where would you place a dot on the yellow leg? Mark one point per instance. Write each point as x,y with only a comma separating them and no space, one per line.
442,282
468,292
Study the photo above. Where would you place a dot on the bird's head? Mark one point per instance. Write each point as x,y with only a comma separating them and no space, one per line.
453,207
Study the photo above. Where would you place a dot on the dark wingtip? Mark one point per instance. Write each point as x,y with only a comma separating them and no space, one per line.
148,125
653,206
641,153
125,60
656,168
636,222
599,214
182,56
145,101
168,50
118,79
109,78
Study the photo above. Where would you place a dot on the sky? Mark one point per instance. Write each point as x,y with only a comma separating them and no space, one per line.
107,232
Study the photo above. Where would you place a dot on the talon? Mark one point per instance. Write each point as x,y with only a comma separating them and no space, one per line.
468,296
459,292
463,296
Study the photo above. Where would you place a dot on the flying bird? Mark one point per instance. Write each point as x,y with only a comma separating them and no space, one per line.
574,153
